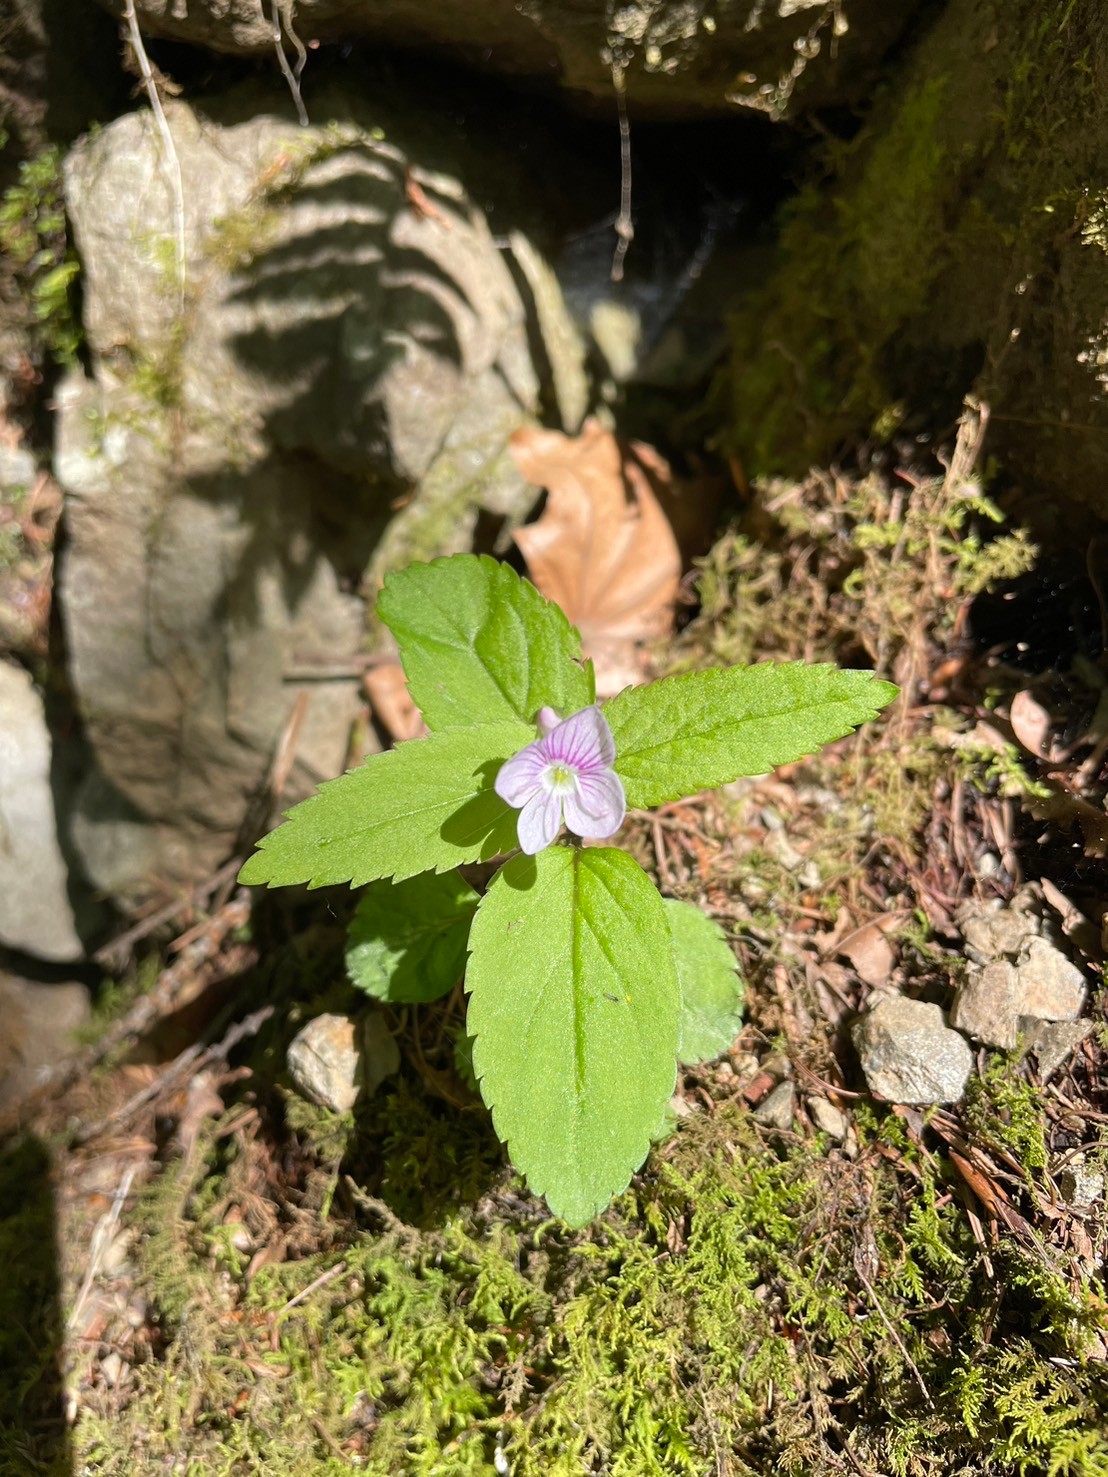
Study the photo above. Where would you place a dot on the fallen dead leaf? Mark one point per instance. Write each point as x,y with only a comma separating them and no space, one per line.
1065,809
603,549
870,952
387,689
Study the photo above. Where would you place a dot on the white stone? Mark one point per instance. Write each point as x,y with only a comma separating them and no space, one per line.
827,1118
334,1058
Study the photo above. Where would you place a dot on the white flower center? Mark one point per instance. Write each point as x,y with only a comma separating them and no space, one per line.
560,779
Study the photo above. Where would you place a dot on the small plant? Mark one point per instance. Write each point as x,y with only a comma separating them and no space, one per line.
34,239
585,987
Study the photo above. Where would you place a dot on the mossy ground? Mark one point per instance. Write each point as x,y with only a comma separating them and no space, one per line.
279,1289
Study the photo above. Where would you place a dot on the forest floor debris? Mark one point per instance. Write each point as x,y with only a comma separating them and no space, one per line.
803,1278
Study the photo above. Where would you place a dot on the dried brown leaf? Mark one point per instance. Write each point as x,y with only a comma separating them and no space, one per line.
603,549
870,952
387,689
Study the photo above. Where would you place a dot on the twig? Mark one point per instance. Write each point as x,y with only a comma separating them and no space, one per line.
101,1239
328,1440
120,947
324,1277
407,1235
174,164
197,1056
172,982
661,855
281,13
972,425
897,1340
624,226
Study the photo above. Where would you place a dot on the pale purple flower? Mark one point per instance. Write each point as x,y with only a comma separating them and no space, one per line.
565,773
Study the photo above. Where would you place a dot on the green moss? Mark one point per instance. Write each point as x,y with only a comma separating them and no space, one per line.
34,238
1006,1110
950,246
807,351
742,1308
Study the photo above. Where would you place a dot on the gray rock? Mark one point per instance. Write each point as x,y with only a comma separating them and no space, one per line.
1053,1041
909,1054
827,1118
36,915
230,471
1042,985
776,1110
1081,1184
987,1004
679,56
1052,987
39,1021
334,1058
992,930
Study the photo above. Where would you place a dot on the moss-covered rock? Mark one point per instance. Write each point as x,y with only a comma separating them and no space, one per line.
959,242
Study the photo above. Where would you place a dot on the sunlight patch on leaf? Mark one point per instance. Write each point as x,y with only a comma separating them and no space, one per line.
480,645
702,729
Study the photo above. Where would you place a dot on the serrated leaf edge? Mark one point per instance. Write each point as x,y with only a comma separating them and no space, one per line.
534,1183
789,757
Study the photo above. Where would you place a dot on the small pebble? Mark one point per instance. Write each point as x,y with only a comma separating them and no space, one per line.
1081,1184
909,1054
745,1065
808,876
776,1111
323,1062
827,1118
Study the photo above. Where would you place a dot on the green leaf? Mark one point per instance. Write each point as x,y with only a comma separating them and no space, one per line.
711,987
425,806
481,645
407,940
573,1011
703,729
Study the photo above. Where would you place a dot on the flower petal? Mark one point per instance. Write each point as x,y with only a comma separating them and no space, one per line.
539,821
520,776
583,742
598,807
547,721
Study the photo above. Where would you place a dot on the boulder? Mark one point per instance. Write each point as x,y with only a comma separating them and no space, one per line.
679,57
341,339
36,915
960,243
